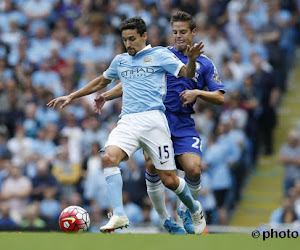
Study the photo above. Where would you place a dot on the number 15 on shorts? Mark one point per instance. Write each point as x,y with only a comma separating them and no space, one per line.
163,152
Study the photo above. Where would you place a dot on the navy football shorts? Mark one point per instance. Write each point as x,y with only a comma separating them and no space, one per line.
188,144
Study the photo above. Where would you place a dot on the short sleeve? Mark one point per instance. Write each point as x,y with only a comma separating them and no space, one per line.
211,77
170,62
111,73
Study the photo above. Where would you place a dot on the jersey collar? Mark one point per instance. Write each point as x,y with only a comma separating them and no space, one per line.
144,49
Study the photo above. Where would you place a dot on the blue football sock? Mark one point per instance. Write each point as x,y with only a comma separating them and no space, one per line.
185,196
114,188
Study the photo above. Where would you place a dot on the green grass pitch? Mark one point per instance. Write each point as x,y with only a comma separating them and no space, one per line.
87,241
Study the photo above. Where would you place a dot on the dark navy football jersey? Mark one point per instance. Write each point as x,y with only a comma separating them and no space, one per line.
206,76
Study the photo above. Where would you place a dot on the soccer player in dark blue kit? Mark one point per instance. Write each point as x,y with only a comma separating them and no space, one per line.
182,94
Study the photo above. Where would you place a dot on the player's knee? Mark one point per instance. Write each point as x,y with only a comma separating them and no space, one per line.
193,172
109,160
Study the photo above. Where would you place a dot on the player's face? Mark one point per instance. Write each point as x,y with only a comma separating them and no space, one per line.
133,41
183,35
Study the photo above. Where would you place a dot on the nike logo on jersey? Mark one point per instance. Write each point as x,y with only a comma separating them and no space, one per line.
69,218
163,162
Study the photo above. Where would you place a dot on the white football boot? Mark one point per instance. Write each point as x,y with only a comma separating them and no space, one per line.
115,222
199,220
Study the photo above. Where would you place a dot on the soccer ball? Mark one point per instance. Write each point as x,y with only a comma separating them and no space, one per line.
74,219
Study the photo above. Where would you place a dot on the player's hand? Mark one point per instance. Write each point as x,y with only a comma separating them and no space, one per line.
98,103
193,52
65,99
188,96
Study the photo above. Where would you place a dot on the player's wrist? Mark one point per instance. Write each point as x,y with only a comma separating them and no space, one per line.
72,96
192,59
105,96
198,93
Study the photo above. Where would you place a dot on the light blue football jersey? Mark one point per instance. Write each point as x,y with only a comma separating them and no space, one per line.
143,77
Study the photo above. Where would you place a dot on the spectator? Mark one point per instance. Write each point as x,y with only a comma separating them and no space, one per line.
251,101
146,210
50,207
290,159
286,214
234,110
5,220
31,125
43,180
275,34
98,52
132,210
95,218
44,115
204,120
3,142
133,179
265,83
94,131
40,44
216,47
15,191
93,180
66,172
14,35
48,79
297,199
250,45
74,134
4,167
43,146
216,163
227,79
238,68
32,219
207,198
70,11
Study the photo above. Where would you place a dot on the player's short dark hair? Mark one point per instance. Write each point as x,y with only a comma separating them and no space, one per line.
134,23
182,16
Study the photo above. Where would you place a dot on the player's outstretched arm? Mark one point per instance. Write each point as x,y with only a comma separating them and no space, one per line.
214,97
111,94
193,52
93,86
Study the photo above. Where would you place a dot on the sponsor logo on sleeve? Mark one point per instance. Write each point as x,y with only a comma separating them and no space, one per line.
216,78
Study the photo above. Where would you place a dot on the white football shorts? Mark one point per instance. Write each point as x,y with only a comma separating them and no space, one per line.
148,130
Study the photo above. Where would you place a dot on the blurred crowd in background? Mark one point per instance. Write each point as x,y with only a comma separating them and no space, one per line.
49,158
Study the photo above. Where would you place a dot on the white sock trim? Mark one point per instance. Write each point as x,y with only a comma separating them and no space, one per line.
153,185
111,171
194,189
181,186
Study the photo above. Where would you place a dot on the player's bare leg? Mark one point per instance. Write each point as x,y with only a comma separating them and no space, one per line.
111,159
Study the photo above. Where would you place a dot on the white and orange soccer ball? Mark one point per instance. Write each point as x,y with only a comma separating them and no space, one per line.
74,219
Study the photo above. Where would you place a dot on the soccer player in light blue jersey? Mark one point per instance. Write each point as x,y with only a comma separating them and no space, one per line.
142,71
181,96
